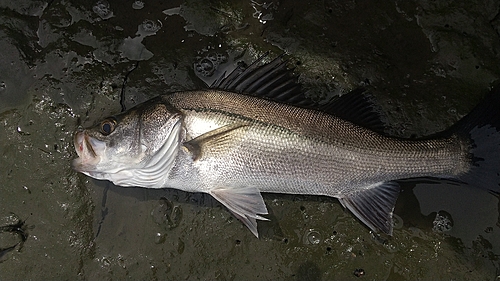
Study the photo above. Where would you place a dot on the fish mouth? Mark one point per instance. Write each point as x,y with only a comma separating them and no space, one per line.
87,156
82,142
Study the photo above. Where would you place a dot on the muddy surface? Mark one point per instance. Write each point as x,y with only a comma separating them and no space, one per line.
70,63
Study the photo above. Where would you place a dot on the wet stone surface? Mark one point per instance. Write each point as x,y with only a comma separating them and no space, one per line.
65,64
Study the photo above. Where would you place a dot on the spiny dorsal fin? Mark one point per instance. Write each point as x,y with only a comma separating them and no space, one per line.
272,81
374,205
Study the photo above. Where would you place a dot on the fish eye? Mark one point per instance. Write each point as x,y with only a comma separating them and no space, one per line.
108,126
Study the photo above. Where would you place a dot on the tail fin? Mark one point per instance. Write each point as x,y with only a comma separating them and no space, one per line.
482,128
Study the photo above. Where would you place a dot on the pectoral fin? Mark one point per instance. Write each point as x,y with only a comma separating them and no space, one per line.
215,141
374,205
244,202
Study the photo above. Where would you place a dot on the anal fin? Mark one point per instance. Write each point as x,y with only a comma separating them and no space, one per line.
374,205
244,202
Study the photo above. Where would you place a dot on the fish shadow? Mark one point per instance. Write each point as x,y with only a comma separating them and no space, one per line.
169,202
407,209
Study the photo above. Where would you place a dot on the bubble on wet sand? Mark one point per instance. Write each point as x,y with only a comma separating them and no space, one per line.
443,222
397,222
103,10
166,214
312,237
207,65
149,27
160,238
137,5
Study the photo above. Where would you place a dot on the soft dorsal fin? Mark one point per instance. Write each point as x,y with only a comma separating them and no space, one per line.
275,81
357,107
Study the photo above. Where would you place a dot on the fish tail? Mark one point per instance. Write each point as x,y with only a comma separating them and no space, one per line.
481,129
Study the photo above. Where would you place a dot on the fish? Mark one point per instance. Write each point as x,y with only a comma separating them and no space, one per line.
255,131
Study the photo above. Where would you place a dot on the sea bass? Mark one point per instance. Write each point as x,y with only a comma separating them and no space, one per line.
254,131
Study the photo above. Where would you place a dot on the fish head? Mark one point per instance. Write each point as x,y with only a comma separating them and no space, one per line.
117,147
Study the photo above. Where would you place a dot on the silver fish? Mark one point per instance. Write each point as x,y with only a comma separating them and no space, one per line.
255,132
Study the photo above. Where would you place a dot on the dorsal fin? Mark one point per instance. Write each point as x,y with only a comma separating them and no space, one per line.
272,80
275,81
357,107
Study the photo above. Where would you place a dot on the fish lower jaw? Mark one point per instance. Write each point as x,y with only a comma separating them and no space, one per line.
84,164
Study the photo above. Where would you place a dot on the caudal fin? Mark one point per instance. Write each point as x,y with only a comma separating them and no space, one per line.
482,128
